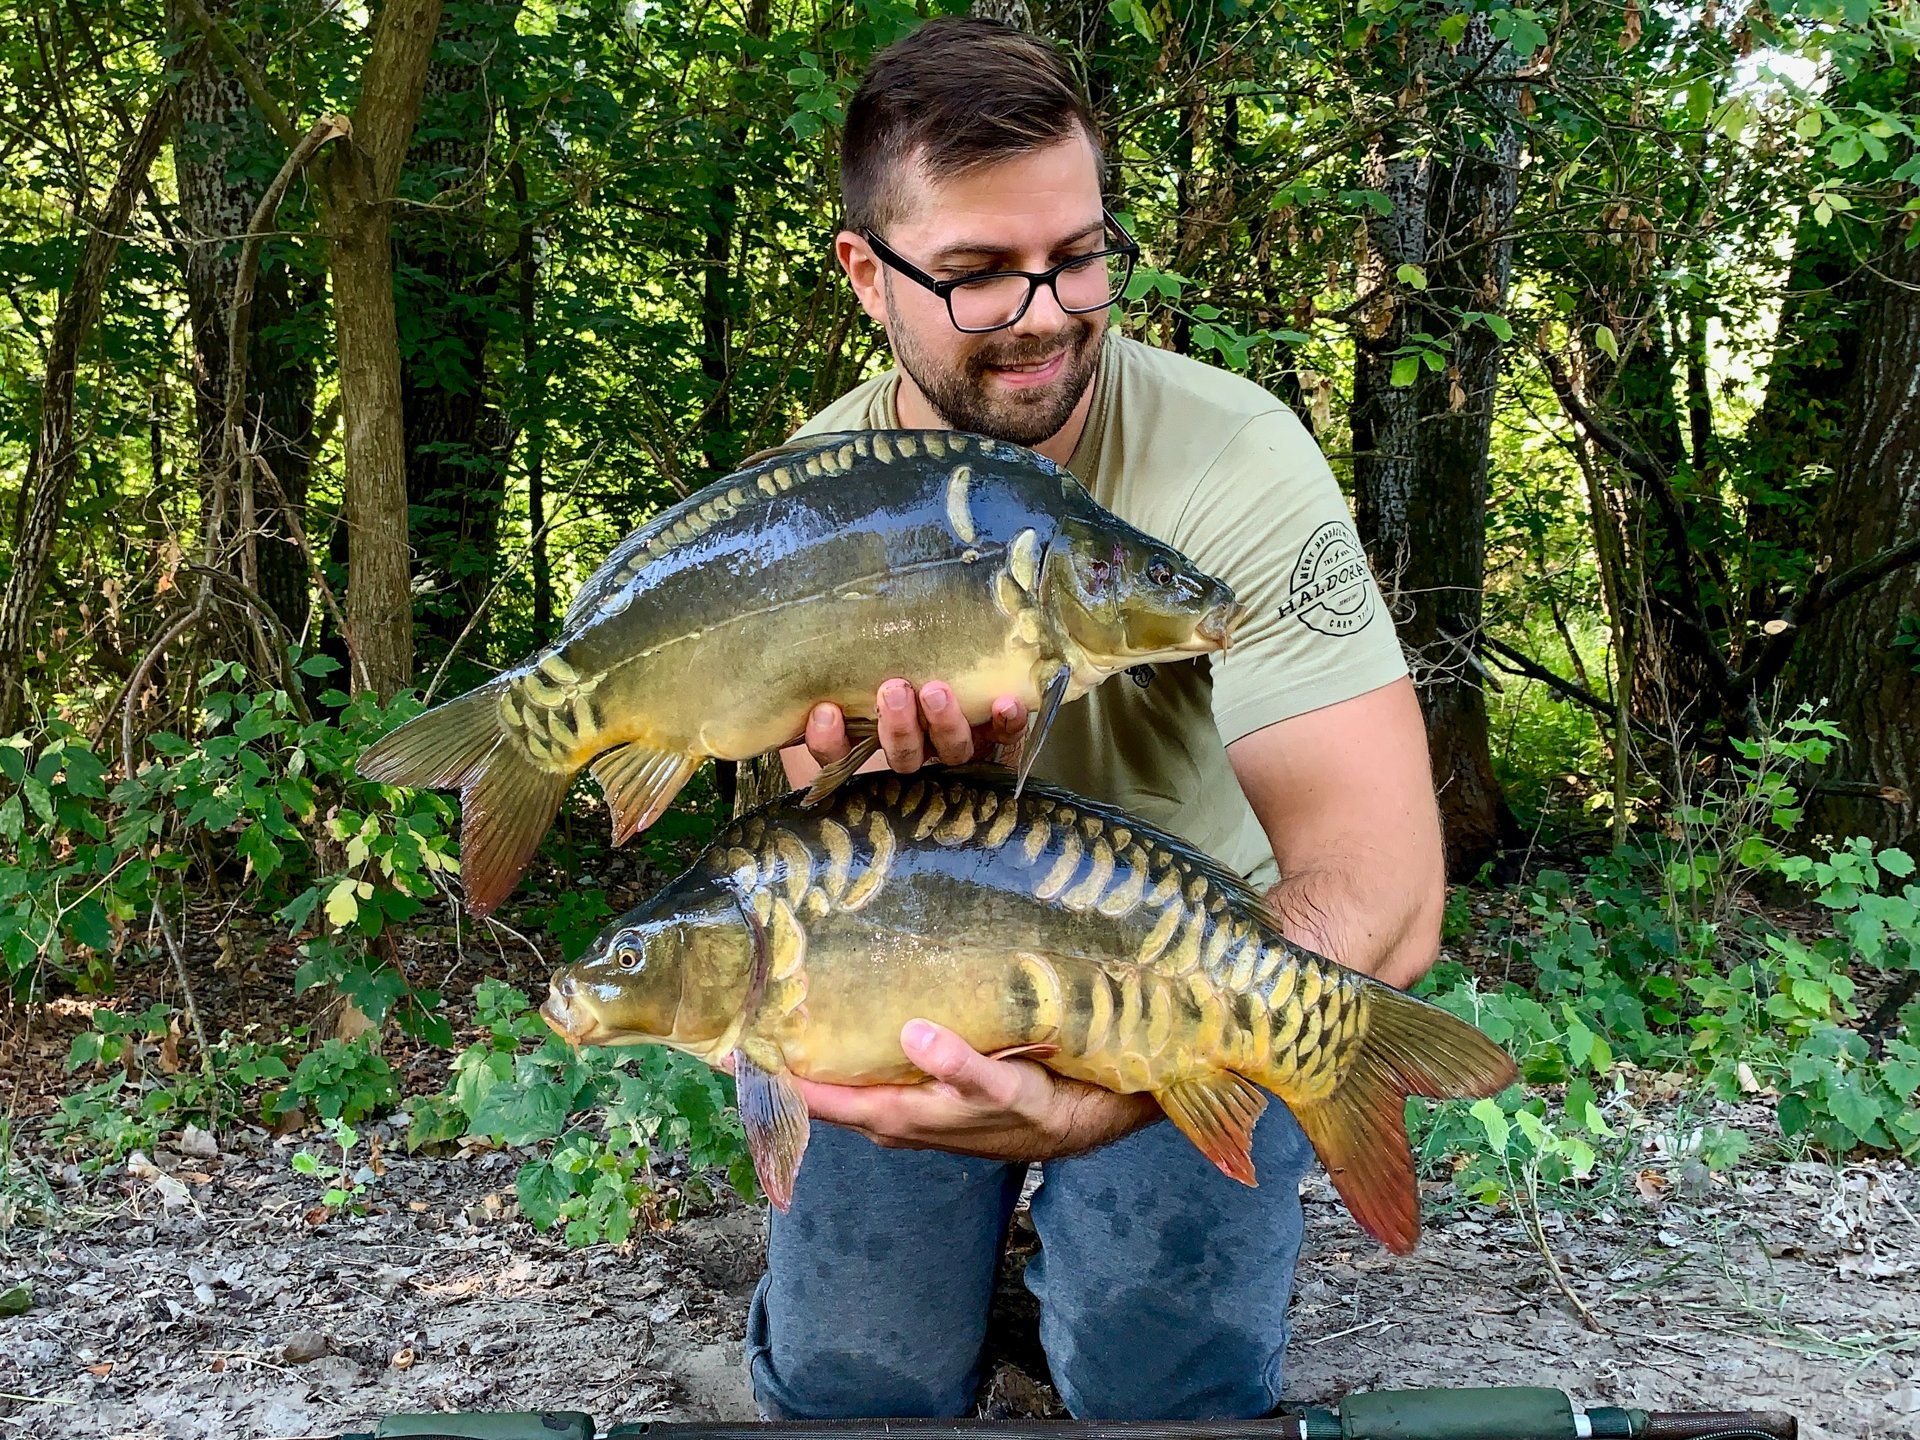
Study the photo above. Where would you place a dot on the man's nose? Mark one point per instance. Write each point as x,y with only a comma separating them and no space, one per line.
1044,315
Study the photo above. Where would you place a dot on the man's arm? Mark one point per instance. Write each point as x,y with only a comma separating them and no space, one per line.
1345,795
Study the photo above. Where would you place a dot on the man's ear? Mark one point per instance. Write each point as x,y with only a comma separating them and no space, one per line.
864,273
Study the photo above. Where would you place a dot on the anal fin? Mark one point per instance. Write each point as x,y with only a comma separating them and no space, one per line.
775,1119
1217,1113
866,744
639,783
1036,734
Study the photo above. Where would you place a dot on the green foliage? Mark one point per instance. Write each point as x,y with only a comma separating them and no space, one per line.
343,1081
340,1191
149,1093
648,1101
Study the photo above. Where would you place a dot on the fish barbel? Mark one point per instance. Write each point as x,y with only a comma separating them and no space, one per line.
816,573
803,940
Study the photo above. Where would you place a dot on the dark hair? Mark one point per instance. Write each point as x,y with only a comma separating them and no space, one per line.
955,94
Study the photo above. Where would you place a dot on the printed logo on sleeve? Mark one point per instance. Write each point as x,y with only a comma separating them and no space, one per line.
1331,587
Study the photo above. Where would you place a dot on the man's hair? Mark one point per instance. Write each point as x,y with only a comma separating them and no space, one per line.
956,94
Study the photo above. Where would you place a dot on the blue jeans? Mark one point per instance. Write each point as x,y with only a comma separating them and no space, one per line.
1163,1285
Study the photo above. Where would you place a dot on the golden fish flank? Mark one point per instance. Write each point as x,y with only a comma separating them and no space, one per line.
1125,957
665,656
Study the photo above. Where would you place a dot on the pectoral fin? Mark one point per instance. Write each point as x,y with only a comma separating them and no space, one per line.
1217,1112
775,1119
1039,1051
1036,733
866,743
639,783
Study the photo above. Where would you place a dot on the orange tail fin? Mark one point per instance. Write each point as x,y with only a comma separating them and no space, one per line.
1360,1132
506,801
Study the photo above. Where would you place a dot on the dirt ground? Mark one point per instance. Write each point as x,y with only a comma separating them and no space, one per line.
181,1306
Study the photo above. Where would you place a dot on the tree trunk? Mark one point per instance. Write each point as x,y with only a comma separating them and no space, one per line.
220,133
1421,449
55,457
449,280
357,179
1850,657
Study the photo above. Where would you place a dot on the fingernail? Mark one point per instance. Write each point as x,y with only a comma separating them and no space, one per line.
934,699
917,1035
823,714
897,695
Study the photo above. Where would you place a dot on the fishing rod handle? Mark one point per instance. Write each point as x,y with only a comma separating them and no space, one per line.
1720,1425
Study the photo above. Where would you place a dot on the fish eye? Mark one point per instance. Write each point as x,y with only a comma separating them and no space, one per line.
1160,573
628,957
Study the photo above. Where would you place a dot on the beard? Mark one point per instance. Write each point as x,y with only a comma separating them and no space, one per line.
967,398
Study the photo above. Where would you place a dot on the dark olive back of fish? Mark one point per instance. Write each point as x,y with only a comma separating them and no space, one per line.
859,504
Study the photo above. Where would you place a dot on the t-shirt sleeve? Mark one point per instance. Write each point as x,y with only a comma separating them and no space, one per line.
1269,519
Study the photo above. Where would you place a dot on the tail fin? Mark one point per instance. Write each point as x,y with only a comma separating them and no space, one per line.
1360,1132
506,801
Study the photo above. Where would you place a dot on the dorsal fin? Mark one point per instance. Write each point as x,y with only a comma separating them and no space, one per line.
688,520
800,445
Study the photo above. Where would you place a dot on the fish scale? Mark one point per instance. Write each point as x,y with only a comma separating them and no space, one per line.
1027,922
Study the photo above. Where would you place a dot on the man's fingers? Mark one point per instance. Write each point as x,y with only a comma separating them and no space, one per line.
900,734
946,724
1009,720
946,1057
827,734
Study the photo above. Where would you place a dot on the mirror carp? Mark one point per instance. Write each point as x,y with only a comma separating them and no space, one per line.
815,573
804,938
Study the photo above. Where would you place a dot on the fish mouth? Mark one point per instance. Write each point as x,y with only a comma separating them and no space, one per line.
1217,627
569,1019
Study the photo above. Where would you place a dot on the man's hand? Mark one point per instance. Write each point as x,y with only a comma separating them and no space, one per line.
915,729
975,1105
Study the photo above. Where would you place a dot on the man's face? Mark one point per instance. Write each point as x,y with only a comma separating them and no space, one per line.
1021,383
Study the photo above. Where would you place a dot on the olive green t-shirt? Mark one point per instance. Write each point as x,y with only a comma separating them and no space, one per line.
1226,473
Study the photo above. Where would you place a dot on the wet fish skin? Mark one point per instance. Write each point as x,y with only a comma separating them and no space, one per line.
813,574
801,942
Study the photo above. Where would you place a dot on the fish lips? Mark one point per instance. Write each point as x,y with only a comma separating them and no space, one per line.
1219,623
567,1020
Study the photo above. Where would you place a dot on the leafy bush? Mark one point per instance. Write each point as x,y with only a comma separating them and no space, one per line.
649,1100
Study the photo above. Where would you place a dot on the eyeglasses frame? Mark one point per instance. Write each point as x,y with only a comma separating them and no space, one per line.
1128,248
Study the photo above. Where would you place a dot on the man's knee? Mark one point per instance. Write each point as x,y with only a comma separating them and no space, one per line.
878,1281
1163,1285
827,1366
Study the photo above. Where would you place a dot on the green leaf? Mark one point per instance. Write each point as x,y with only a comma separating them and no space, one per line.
1405,369
1896,863
1453,29
1493,1120
16,1301
520,1113
1607,341
1413,275
542,1191
343,907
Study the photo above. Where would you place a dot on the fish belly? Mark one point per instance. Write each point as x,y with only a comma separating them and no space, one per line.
745,688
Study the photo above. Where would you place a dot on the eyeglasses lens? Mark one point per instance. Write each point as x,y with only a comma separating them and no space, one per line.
994,300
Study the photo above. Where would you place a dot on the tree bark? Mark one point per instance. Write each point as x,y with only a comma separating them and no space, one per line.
55,457
220,131
1421,450
1848,657
358,178
449,281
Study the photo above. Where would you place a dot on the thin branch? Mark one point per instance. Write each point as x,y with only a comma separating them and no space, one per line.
1820,596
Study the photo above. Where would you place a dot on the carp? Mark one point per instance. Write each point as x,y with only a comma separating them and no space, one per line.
1028,922
816,573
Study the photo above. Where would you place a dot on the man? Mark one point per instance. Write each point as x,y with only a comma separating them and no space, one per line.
1298,758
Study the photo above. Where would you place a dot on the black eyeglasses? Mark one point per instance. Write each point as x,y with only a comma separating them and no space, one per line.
995,299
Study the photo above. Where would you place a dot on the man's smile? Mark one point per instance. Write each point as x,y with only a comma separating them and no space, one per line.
1027,374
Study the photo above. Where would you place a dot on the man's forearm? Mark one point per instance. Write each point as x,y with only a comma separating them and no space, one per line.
1374,924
